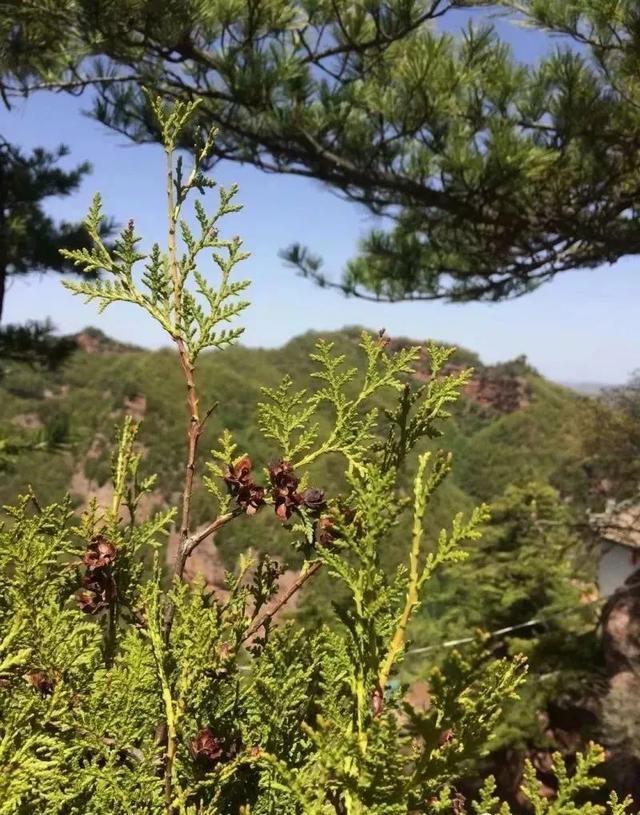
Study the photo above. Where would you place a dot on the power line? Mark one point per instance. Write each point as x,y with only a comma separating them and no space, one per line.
519,626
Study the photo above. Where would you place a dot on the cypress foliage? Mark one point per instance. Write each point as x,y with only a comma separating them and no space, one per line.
531,579
125,690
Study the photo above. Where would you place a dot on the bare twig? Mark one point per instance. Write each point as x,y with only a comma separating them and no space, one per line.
186,548
34,499
266,616
208,413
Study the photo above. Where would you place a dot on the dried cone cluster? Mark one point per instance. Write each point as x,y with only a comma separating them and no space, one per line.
98,586
207,750
42,682
329,525
285,495
314,500
327,532
247,494
284,489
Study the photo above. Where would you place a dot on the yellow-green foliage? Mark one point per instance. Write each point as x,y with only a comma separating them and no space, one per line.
123,690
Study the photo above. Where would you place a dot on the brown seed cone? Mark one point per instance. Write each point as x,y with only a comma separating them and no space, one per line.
206,749
238,474
241,486
41,681
98,590
100,553
284,486
314,499
250,498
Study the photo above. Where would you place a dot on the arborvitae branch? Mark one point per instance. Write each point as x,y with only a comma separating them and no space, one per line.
121,694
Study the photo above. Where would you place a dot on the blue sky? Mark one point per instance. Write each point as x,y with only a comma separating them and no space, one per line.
584,326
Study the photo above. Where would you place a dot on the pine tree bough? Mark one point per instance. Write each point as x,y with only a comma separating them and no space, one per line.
493,175
127,691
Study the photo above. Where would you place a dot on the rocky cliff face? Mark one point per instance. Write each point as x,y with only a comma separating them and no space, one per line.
496,388
502,394
94,341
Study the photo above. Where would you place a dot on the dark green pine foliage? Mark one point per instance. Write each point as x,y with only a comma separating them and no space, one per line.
30,243
31,240
496,175
611,447
126,691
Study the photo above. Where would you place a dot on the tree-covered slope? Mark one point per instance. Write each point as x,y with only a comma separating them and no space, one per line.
513,426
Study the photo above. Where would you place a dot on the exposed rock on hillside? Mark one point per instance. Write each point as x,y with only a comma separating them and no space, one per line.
94,341
498,388
504,394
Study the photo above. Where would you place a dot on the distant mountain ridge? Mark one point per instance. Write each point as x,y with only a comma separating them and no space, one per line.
589,388
93,340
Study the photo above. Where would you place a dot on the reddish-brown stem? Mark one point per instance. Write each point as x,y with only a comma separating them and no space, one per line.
185,550
264,618
194,427
195,423
194,431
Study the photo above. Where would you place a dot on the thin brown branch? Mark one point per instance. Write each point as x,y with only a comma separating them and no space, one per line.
267,615
185,550
207,414
195,423
196,539
194,430
34,499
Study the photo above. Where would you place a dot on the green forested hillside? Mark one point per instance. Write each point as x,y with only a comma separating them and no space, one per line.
512,427
493,447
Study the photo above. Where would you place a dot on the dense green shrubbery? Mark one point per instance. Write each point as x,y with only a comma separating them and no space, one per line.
529,577
124,690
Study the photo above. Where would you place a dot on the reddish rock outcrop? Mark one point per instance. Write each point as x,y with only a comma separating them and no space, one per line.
491,387
503,394
94,341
